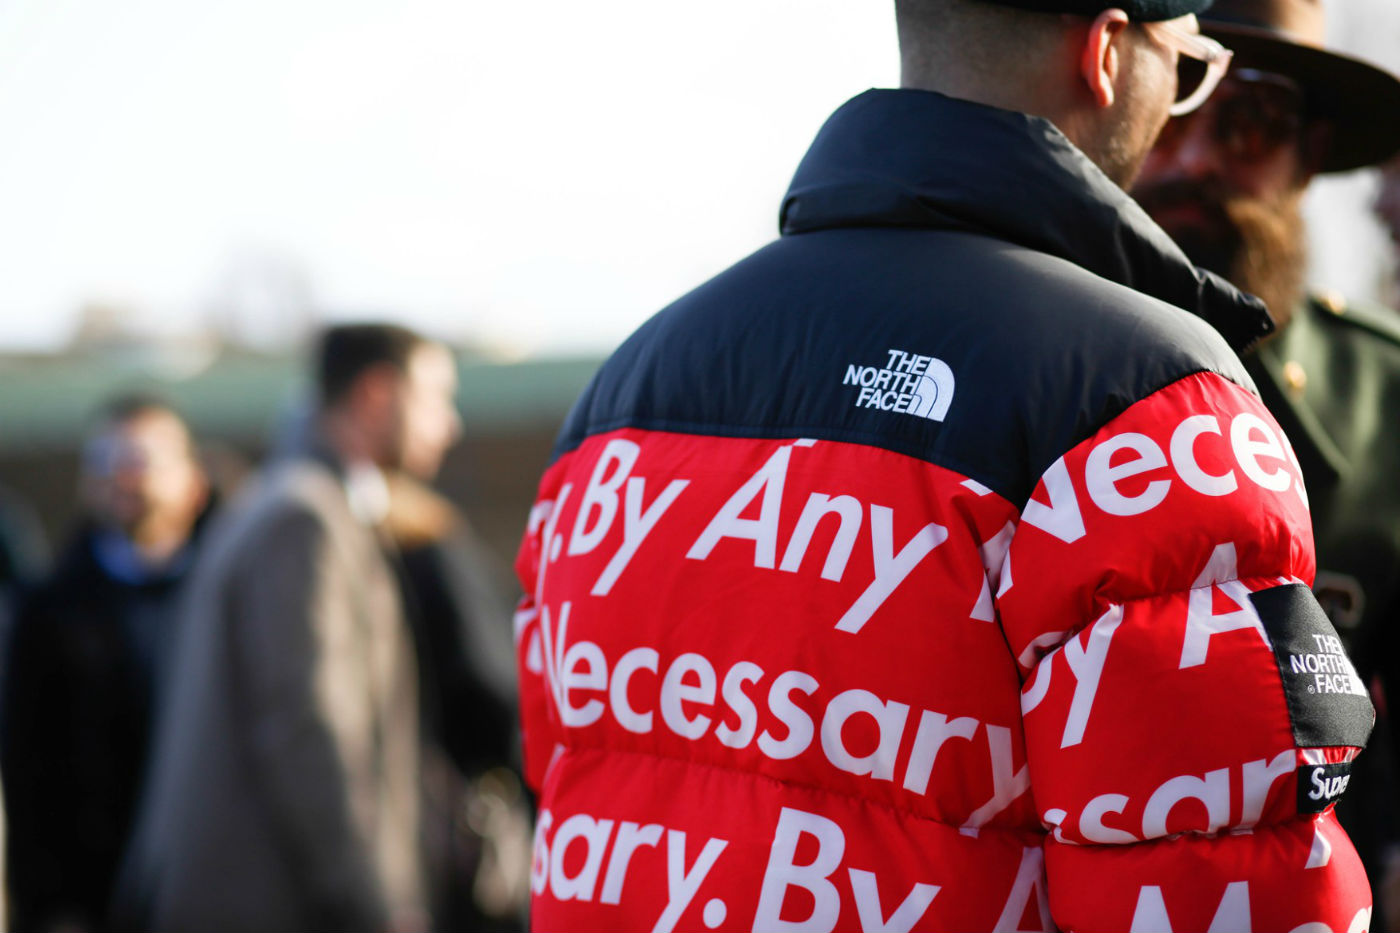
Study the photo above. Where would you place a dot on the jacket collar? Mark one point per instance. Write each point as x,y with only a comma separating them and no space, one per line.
919,159
366,489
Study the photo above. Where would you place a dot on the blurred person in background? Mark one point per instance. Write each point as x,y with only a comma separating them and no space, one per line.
284,793
1227,182
476,832
90,647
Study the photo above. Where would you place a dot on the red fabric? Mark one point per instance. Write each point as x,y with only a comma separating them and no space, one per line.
807,653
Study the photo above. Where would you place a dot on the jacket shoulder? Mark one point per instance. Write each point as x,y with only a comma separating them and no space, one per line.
288,506
953,347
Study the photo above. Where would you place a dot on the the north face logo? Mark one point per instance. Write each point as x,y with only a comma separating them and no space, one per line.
907,383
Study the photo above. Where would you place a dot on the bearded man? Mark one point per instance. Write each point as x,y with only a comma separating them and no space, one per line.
1227,182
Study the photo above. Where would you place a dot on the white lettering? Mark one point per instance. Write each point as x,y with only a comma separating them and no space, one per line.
1201,621
1007,784
1231,916
934,730
1259,778
1101,478
1029,883
872,914
818,506
762,531
630,838
1325,788
733,693
680,884
1213,791
636,525
1183,450
889,716
1061,517
890,568
675,690
631,662
539,862
1087,663
994,562
592,676
783,872
935,390
1248,451
799,724
601,495
594,834
1091,820
549,541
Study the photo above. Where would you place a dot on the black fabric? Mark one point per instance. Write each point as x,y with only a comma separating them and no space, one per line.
1327,703
468,717
461,636
1319,786
23,549
935,228
1139,10
80,689
918,159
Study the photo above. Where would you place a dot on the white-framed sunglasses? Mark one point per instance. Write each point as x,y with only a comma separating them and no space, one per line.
1201,63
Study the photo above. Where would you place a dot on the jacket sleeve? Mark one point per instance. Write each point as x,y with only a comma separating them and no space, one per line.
1190,716
292,613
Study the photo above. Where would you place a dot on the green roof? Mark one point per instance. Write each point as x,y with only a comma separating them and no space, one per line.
47,400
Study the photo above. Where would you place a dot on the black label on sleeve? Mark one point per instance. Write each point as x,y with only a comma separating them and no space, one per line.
1319,786
1327,702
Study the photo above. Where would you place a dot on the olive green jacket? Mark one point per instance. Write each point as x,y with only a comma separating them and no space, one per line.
1332,379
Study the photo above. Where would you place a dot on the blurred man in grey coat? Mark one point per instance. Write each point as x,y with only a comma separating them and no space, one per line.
285,791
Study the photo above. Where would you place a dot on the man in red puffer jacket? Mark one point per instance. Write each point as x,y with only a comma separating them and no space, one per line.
937,566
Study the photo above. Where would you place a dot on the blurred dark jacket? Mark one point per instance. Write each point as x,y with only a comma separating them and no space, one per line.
475,818
89,646
23,549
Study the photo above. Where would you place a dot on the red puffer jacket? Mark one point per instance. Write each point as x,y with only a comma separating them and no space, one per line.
916,573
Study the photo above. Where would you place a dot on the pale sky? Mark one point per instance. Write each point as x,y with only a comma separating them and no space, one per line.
540,176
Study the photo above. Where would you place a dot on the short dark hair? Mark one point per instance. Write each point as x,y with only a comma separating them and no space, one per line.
119,410
346,351
128,406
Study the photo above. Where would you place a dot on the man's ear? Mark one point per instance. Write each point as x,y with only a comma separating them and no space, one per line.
1101,62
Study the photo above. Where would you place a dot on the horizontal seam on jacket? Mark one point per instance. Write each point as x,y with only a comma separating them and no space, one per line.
1074,632
1276,826
1039,833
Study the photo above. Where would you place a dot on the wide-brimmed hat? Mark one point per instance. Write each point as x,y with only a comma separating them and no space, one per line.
1360,100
